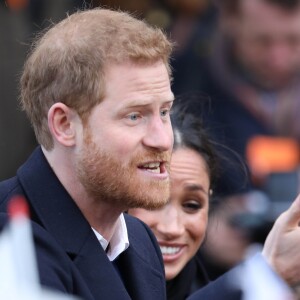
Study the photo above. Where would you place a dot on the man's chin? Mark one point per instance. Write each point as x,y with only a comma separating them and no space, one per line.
155,202
155,205
150,195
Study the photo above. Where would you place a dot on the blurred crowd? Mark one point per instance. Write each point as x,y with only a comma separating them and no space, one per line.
238,63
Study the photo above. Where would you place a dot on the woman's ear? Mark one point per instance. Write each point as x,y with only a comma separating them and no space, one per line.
61,121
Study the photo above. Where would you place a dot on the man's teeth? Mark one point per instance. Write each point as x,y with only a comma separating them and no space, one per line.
169,250
152,167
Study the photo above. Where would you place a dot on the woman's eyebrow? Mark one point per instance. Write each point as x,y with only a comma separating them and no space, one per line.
195,187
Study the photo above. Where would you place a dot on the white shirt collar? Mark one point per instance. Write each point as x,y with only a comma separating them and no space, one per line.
119,241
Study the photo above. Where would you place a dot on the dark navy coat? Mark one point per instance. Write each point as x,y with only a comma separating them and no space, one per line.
70,258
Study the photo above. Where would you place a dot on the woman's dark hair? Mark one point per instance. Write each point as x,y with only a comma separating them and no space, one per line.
189,132
227,171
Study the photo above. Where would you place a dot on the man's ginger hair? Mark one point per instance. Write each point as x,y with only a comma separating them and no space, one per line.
67,64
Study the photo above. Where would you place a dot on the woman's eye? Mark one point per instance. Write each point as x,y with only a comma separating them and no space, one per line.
192,206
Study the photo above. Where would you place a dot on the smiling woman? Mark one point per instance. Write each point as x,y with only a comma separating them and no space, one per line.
181,224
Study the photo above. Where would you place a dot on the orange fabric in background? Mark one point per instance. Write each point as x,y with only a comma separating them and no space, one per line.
267,155
17,4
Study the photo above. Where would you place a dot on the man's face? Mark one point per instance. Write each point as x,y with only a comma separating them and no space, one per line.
267,40
126,146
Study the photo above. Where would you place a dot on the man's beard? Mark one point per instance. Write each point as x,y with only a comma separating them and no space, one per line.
106,179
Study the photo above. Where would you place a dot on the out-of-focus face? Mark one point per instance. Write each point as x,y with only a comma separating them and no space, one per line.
267,40
181,224
126,147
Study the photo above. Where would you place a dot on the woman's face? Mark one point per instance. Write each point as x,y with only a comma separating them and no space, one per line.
180,225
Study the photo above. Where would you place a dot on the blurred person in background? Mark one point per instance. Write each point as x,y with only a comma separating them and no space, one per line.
252,80
191,26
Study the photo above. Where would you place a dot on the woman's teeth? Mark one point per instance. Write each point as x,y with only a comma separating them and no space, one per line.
169,250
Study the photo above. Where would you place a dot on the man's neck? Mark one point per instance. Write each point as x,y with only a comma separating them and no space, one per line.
101,215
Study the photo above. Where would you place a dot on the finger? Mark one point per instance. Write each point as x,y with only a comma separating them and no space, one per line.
292,216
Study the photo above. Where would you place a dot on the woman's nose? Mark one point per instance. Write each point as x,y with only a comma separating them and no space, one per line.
171,224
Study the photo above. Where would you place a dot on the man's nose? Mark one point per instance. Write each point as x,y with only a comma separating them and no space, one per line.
159,134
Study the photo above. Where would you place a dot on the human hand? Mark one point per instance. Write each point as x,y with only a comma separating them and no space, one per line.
282,246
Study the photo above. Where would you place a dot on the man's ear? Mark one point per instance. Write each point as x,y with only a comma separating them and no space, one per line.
61,122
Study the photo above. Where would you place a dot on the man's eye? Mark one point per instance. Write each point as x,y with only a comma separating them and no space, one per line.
133,117
164,112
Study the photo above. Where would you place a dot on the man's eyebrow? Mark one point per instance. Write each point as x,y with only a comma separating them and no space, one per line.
169,102
138,103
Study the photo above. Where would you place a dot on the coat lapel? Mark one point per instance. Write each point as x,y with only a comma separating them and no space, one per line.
141,281
55,210
99,273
